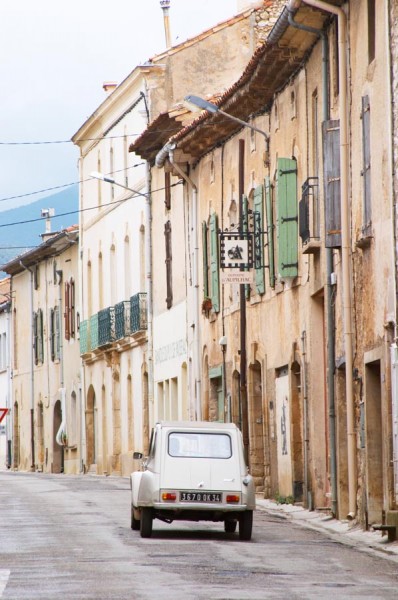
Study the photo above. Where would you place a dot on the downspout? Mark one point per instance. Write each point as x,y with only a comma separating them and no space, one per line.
32,377
168,152
329,271
63,430
346,244
10,420
149,274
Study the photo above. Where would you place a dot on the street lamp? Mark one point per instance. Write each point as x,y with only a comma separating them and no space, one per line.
102,177
213,108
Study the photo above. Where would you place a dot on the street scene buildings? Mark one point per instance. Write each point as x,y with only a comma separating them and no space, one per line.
234,264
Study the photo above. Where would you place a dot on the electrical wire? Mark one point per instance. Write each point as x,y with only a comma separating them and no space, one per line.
64,185
78,211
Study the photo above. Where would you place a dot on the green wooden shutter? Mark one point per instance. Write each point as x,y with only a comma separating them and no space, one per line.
270,232
205,261
259,239
245,229
367,207
287,217
214,263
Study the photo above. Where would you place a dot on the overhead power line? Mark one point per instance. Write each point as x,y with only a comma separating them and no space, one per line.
78,211
64,185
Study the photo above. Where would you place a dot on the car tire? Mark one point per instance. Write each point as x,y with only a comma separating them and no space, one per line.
146,522
135,523
246,525
230,526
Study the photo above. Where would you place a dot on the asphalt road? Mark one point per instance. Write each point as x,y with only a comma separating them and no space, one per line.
69,537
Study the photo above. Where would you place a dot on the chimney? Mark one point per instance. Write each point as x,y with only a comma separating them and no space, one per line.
47,213
165,4
109,86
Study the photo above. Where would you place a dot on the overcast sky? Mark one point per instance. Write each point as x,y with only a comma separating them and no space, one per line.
55,56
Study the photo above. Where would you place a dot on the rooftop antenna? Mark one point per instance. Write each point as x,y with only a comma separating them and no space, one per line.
165,5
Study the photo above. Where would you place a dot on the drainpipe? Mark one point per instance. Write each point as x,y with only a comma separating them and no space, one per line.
148,266
168,152
329,271
32,377
346,244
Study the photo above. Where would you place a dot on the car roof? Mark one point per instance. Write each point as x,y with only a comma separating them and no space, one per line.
196,425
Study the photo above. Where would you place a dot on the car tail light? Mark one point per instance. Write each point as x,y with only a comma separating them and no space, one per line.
169,496
231,498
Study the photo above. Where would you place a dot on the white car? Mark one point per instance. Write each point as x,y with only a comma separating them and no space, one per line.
195,471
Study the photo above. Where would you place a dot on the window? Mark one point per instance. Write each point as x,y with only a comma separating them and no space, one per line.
205,261
199,445
367,207
54,333
36,277
371,30
168,261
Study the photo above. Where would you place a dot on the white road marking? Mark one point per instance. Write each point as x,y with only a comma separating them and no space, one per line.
4,575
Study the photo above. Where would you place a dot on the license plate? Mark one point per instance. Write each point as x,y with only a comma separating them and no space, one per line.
200,497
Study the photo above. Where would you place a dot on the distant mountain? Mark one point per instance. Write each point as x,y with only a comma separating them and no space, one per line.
16,239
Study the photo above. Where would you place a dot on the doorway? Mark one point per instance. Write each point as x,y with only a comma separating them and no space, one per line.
373,443
285,484
58,451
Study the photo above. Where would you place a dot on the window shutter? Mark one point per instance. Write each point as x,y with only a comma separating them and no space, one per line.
35,338
270,231
287,217
331,180
167,190
245,229
169,286
52,334
259,239
57,333
40,354
367,207
66,311
72,308
205,261
214,263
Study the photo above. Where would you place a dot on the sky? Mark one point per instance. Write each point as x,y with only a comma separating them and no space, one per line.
54,57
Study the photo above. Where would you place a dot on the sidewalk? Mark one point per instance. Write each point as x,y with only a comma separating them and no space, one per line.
345,532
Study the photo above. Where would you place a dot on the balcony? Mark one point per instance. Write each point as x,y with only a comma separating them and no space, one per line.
309,217
113,324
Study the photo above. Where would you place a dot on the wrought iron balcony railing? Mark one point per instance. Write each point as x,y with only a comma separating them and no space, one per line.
106,326
114,323
309,215
122,319
138,313
84,337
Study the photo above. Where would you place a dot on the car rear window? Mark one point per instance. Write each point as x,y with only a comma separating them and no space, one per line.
200,445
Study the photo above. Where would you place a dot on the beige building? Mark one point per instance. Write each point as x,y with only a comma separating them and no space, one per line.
299,357
45,358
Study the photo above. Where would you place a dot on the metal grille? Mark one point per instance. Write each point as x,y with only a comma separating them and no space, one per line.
94,332
84,337
106,326
122,319
138,312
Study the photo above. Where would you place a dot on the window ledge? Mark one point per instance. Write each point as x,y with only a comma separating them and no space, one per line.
313,246
364,241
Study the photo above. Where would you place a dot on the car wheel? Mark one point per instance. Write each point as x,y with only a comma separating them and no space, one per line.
230,526
146,522
135,523
246,525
